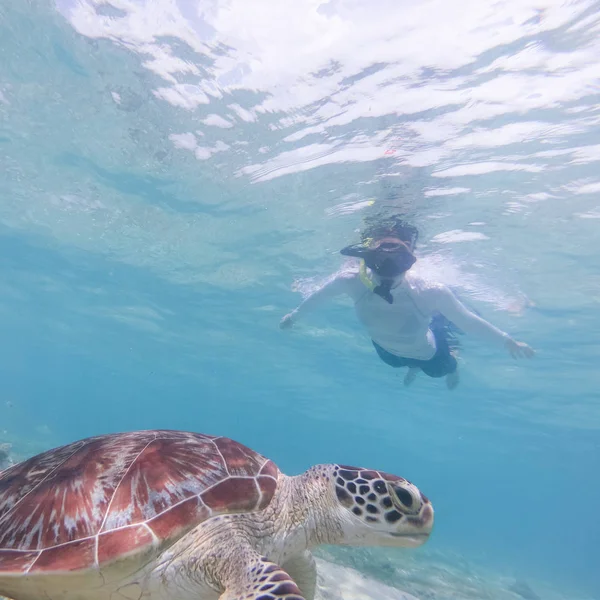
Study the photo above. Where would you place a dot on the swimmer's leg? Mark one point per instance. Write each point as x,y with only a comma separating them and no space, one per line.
411,375
398,362
443,364
453,378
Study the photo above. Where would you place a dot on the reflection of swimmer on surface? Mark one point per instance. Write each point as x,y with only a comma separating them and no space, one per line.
408,318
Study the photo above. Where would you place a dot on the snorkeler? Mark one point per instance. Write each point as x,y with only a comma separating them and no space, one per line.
408,319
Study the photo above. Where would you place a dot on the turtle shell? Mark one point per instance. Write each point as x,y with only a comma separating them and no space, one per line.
97,500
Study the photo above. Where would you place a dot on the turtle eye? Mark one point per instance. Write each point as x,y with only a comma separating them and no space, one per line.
402,497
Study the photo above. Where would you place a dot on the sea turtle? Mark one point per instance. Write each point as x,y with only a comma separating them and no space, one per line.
157,515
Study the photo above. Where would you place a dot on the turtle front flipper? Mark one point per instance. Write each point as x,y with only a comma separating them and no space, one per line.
304,571
263,580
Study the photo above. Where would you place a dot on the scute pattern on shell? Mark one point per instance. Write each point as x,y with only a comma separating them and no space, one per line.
88,503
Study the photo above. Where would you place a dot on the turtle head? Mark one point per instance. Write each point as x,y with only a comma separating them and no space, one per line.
379,509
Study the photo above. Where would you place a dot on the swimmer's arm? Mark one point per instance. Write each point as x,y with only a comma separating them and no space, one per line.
336,287
448,304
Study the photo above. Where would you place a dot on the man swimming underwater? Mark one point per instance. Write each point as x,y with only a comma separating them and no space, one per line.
408,318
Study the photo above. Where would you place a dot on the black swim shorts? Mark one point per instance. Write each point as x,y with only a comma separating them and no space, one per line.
442,363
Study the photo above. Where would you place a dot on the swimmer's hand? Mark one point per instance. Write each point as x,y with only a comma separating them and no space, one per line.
287,322
519,349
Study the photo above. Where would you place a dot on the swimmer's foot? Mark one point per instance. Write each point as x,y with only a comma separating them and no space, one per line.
411,375
452,380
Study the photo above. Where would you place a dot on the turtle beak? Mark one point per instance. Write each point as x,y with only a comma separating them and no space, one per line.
411,540
415,529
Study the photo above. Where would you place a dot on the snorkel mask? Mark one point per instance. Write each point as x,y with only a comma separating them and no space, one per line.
388,258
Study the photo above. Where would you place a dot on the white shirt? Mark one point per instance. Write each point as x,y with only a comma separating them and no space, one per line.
402,328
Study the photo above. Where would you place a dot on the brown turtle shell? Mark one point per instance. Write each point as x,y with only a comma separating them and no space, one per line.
89,503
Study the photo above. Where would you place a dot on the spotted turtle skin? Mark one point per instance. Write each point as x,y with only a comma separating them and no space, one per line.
92,502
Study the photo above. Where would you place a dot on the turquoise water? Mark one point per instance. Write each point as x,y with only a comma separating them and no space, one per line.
175,176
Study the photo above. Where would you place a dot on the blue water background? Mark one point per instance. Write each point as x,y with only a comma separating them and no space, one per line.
142,282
